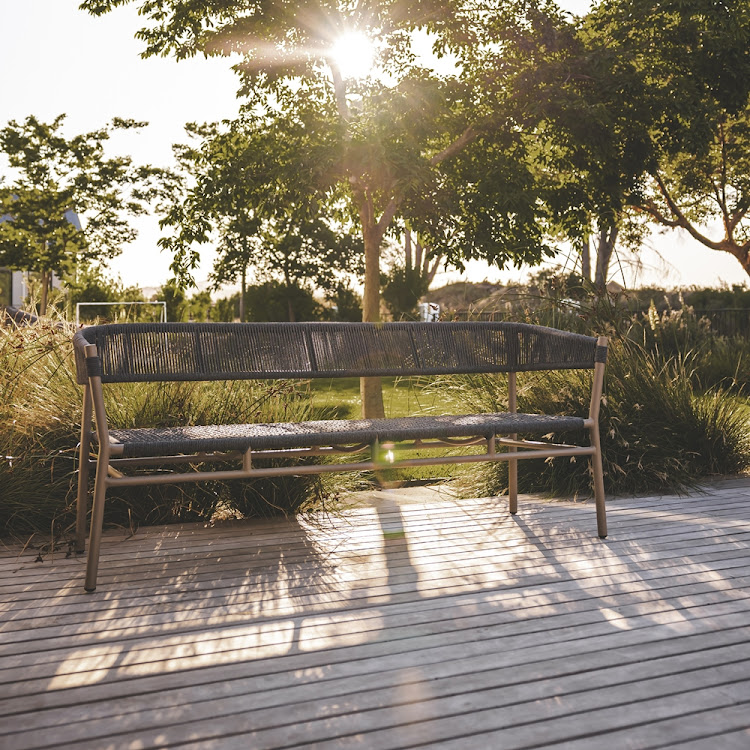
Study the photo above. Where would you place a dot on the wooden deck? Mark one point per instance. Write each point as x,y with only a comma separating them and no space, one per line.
411,621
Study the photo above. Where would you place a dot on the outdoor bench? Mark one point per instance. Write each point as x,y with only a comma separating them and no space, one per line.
153,352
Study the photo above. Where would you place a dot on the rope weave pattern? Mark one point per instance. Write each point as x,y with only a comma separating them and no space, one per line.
140,352
160,441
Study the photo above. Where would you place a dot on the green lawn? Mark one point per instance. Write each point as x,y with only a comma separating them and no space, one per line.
401,397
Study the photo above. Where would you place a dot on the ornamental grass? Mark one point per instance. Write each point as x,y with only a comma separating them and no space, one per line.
40,413
674,410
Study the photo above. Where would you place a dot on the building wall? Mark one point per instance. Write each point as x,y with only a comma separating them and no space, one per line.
19,289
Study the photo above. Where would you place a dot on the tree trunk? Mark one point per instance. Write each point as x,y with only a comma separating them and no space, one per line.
430,265
371,389
46,279
586,259
740,252
607,239
288,288
243,292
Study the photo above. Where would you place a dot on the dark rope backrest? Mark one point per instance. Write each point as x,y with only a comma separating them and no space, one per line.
139,352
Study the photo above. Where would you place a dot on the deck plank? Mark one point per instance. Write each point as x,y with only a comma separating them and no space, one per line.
412,619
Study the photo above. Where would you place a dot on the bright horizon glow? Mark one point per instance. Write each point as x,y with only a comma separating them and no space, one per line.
354,54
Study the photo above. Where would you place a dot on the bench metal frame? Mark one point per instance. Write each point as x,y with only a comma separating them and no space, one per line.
110,458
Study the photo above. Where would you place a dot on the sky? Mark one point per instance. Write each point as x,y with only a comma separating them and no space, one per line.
56,58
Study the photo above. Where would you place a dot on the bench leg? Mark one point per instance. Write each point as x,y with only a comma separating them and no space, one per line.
596,466
512,464
97,521
513,483
82,502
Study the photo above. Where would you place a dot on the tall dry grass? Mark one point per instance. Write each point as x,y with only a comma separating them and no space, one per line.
39,426
40,404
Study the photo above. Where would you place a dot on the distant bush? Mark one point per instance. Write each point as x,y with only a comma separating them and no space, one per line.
274,301
346,304
176,301
402,289
736,296
200,308
226,309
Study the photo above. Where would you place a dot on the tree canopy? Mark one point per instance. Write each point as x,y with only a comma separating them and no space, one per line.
645,105
442,150
692,68
55,178
290,230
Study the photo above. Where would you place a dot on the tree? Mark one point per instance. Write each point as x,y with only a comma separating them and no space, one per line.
199,306
211,205
410,275
54,177
176,299
586,132
706,194
281,229
37,233
407,139
679,76
237,250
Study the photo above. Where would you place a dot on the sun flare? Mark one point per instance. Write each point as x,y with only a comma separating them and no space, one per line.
354,54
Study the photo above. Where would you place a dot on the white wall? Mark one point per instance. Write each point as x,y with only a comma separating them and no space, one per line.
19,289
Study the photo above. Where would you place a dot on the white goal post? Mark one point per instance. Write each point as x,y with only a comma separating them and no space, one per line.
79,305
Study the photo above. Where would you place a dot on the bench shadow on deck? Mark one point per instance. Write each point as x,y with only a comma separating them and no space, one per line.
410,620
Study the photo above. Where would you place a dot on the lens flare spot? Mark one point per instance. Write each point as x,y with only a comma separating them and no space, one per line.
354,54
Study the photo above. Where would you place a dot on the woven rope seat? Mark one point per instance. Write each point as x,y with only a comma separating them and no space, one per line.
161,441
166,352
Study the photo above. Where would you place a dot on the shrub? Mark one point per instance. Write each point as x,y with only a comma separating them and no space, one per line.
715,359
39,421
273,301
659,433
